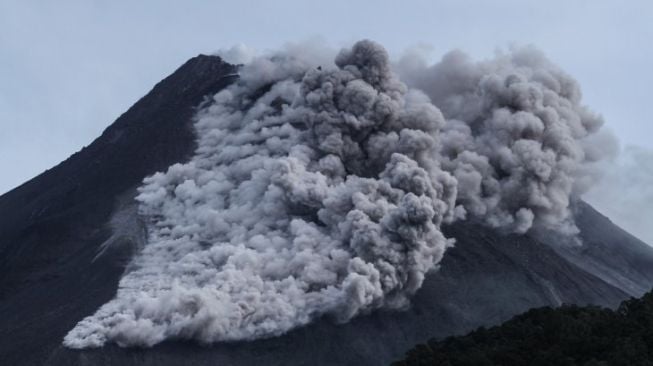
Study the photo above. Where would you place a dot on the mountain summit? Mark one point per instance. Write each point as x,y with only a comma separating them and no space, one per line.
67,237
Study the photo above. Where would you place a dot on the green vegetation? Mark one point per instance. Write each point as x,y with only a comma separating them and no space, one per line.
566,336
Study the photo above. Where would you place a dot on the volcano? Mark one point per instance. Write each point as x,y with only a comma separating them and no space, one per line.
67,237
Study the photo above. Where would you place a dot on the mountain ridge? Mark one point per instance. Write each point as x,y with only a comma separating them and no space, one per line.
53,227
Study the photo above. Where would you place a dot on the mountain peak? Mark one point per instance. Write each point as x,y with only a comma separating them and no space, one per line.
53,227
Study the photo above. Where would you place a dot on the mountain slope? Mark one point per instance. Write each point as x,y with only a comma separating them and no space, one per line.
53,227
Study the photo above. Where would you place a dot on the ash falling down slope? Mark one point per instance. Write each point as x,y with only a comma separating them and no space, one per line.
320,190
329,210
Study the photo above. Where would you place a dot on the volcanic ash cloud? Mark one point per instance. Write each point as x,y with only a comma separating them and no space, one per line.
517,139
313,192
319,190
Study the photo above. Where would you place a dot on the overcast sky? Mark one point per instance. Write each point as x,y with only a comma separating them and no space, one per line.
68,69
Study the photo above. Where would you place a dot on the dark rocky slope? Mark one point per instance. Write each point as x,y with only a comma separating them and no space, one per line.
52,228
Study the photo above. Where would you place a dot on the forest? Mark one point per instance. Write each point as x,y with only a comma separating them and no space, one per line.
566,336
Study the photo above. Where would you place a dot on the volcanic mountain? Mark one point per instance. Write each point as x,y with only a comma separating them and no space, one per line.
68,235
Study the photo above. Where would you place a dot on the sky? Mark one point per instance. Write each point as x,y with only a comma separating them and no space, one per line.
68,69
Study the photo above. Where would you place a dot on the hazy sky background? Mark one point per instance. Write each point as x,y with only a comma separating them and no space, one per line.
68,69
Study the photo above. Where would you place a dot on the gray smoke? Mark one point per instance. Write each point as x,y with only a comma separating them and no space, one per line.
312,193
318,189
517,138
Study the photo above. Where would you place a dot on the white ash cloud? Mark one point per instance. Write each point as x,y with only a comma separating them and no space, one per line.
313,192
318,188
237,54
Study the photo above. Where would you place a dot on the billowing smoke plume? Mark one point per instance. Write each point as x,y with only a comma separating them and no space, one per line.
312,193
319,190
516,137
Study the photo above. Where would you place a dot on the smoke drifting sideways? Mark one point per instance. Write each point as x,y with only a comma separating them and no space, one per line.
318,189
517,139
